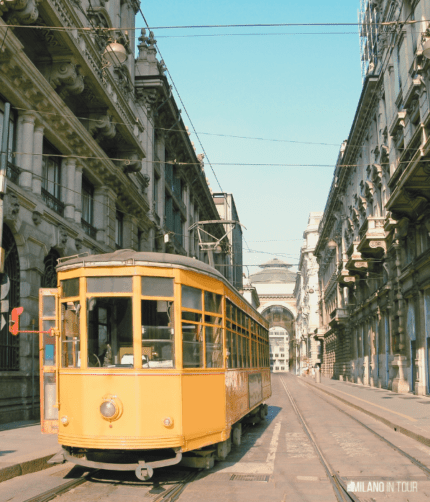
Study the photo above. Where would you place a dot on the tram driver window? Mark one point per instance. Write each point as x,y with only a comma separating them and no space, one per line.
110,332
70,337
157,334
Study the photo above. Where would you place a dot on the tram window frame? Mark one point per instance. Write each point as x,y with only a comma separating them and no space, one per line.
70,340
156,351
109,340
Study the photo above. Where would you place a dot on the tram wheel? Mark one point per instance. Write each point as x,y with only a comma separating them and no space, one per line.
237,435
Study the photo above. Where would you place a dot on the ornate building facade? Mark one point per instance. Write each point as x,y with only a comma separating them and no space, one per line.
275,289
374,245
99,159
306,292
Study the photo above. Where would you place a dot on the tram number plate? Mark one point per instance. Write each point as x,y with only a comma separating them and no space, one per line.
255,389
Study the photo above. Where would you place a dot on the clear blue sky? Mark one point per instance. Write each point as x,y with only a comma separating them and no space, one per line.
302,87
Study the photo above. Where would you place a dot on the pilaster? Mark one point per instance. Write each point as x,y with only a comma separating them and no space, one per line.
26,123
78,194
70,168
38,159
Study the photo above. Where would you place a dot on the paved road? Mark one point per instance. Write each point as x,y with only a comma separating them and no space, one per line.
276,461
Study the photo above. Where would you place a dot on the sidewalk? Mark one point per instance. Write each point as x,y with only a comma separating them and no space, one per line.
24,449
406,413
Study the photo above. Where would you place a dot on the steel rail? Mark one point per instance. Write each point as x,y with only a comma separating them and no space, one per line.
170,495
59,490
338,485
379,436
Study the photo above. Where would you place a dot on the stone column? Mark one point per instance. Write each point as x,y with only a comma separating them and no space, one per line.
26,124
70,168
78,194
38,159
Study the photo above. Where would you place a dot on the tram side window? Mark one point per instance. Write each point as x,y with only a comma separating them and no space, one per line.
110,332
70,336
192,345
157,334
213,338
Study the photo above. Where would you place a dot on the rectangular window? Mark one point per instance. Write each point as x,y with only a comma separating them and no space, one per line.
157,334
214,343
157,286
119,229
87,201
51,178
213,302
69,287
155,192
70,337
110,332
109,284
87,198
192,345
191,298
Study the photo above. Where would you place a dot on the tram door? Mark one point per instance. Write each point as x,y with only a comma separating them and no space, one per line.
48,308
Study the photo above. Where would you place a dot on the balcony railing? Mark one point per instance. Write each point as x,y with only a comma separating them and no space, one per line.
89,229
52,202
13,172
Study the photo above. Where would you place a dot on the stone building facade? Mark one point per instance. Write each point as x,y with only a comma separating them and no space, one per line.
99,159
374,245
306,292
275,289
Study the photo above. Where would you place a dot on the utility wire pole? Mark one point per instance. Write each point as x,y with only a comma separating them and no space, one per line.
3,178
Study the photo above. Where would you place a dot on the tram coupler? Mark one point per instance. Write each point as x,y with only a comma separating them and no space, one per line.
144,471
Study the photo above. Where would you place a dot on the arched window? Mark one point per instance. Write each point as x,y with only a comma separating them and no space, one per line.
9,344
49,277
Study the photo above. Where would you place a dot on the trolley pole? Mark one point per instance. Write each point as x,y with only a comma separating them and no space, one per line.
3,167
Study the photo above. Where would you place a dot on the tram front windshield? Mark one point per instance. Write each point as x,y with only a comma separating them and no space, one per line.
110,332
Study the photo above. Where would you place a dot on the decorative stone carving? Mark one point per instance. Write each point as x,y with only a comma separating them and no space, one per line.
78,244
131,163
20,11
102,127
11,204
37,218
62,237
122,76
66,79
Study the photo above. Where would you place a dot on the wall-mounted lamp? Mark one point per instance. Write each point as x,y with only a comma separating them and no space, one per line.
331,244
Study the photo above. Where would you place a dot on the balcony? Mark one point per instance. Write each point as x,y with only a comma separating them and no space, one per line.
345,278
52,202
356,263
338,317
372,237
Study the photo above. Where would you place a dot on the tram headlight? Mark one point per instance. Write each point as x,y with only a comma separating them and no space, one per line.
111,408
64,420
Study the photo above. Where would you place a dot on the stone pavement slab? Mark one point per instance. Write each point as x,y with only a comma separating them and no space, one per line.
406,413
24,449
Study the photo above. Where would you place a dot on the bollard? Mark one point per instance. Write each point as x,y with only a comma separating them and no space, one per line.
317,375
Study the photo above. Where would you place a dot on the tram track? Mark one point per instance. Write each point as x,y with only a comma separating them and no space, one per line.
416,462
338,485
171,494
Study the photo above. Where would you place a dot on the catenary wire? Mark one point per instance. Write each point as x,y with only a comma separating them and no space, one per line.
212,26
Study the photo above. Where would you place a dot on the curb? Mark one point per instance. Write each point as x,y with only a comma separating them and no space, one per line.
26,467
389,423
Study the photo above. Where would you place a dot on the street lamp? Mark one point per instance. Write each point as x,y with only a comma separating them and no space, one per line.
115,53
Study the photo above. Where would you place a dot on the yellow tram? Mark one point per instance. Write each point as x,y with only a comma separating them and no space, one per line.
148,356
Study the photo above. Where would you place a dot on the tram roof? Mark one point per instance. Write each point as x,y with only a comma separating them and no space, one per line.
129,257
